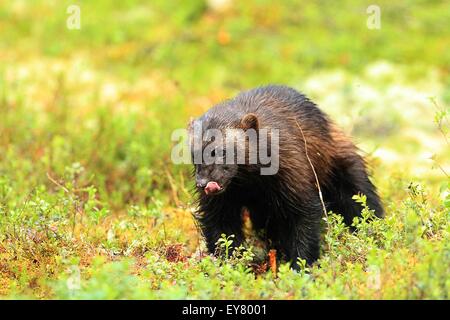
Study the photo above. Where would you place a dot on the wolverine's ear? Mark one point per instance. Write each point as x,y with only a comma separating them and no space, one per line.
250,121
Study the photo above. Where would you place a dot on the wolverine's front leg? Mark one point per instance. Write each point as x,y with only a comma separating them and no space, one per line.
298,234
217,219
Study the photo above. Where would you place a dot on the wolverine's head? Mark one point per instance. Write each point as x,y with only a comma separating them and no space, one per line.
220,147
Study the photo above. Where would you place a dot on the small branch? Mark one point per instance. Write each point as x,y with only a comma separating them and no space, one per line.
57,183
173,188
319,190
442,169
313,170
441,119
76,205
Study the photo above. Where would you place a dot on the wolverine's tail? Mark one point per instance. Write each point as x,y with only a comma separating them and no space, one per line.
349,177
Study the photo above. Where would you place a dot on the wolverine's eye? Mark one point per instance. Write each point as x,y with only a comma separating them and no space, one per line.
213,153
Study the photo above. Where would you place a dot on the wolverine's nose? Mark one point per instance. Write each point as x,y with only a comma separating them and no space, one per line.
201,183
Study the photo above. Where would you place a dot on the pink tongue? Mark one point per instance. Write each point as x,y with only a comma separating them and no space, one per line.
212,187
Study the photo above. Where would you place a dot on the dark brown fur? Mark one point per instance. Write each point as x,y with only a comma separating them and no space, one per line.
286,206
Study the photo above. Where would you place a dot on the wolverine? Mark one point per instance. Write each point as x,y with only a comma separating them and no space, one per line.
317,165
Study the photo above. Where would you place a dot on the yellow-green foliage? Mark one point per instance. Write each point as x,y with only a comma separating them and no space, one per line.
91,205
